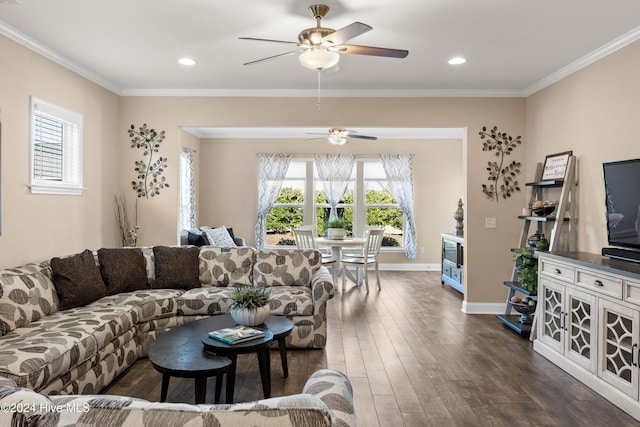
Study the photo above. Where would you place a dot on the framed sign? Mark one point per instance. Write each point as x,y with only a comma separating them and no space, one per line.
555,166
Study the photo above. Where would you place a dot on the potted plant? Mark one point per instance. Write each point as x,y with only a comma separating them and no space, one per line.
336,228
527,269
250,305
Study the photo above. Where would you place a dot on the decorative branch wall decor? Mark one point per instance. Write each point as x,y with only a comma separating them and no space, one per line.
501,176
150,179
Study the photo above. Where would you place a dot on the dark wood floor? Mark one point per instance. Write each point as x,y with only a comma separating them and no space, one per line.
415,359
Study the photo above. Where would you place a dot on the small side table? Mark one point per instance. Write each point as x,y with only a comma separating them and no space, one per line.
281,328
260,346
180,354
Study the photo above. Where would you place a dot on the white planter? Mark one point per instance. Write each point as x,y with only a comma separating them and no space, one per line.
250,317
336,233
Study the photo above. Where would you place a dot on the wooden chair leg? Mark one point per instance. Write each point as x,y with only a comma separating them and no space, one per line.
344,270
378,276
366,276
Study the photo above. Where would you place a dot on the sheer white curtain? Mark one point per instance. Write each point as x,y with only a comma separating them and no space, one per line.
397,167
272,168
187,190
334,171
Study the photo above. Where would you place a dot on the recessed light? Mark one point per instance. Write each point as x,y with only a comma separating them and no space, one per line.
457,60
186,61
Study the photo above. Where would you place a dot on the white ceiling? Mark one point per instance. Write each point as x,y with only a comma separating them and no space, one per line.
513,47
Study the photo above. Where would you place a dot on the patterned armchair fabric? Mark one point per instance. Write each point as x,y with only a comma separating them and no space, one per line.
327,400
285,267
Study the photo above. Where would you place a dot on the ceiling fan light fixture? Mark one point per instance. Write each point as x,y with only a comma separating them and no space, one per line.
319,59
337,139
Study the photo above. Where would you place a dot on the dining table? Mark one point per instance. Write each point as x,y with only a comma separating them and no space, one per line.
337,246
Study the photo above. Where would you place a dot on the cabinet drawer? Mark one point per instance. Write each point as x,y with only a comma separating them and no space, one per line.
556,270
608,285
632,292
456,274
446,270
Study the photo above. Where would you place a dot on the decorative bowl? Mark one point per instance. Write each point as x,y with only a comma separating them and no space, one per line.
525,310
544,210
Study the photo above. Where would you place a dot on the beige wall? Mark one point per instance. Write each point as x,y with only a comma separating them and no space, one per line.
593,112
489,259
37,227
437,173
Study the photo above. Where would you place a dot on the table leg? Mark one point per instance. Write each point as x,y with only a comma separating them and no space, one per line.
231,378
283,356
165,387
201,389
218,388
264,362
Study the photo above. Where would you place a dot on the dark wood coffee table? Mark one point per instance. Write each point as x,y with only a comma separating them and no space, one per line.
179,353
277,327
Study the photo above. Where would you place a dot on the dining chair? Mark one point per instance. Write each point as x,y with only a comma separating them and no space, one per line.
369,256
305,239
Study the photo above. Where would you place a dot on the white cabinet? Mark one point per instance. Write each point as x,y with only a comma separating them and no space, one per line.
618,344
589,323
567,322
453,261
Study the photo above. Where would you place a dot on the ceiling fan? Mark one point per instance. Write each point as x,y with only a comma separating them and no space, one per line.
319,47
339,136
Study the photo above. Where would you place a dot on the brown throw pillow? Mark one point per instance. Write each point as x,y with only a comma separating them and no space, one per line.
123,269
176,267
77,280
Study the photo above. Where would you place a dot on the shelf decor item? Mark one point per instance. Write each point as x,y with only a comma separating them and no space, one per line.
527,269
555,166
502,174
250,305
458,215
525,311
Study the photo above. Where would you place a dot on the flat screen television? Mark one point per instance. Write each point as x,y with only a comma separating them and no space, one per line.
622,189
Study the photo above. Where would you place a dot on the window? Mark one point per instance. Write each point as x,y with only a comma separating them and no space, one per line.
288,210
367,201
56,149
382,209
187,191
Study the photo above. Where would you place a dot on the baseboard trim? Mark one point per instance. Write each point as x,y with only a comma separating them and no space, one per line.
482,307
410,267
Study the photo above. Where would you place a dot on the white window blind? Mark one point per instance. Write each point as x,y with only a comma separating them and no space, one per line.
56,149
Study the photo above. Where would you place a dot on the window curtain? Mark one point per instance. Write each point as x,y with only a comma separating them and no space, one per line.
334,171
272,169
397,167
187,190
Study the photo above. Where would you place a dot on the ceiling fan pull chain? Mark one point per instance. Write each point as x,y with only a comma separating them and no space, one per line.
319,71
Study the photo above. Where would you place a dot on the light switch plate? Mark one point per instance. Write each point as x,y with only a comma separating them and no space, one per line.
489,223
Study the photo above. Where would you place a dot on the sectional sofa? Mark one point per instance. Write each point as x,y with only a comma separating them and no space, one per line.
72,324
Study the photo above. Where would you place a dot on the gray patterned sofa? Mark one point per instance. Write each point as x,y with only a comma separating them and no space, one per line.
55,342
326,400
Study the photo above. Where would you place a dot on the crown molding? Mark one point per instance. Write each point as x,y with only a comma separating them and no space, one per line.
609,48
461,93
54,56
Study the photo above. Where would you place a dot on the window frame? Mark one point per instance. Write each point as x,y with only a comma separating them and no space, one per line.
359,205
188,212
72,123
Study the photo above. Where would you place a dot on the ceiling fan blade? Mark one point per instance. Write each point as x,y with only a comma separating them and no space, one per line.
370,50
314,139
272,57
346,33
372,138
269,40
